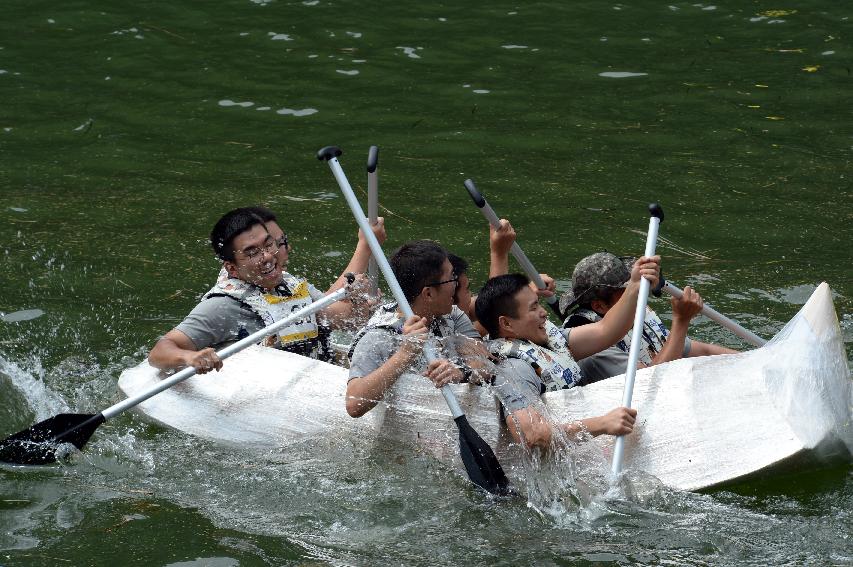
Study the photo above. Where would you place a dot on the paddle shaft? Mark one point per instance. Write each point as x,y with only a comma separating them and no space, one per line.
373,209
383,265
636,340
516,250
719,318
234,348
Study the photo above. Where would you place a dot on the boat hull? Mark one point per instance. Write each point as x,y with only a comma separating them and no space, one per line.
702,422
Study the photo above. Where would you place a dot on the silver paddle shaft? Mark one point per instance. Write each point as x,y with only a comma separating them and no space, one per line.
518,253
234,348
373,210
719,318
636,340
390,279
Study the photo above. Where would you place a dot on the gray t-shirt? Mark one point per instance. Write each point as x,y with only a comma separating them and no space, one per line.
377,345
610,362
219,320
516,385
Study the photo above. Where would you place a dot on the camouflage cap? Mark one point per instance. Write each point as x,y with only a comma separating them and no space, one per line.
595,273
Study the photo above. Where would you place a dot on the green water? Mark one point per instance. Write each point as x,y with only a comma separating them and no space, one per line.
120,145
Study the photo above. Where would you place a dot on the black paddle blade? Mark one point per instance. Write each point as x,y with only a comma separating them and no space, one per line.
37,445
482,465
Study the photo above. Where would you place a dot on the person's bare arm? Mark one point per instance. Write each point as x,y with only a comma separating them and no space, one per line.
361,256
364,392
176,350
530,428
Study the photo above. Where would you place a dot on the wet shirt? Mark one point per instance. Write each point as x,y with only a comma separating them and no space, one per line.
379,344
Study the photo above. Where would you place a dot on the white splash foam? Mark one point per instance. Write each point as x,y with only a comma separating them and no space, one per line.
354,34
342,72
279,36
514,46
481,91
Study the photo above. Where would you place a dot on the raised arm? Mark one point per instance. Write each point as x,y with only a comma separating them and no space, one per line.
361,256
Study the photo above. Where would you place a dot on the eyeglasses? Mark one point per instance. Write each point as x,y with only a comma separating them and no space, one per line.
454,280
271,246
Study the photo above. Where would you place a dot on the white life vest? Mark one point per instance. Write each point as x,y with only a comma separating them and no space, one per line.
654,334
388,317
554,364
302,336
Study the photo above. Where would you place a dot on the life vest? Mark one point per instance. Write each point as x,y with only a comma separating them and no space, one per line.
387,317
554,364
654,332
304,336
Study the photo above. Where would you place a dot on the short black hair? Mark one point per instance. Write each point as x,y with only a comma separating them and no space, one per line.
460,265
264,213
416,264
497,298
232,224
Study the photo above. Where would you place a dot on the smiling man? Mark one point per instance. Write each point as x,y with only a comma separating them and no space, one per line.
535,356
255,292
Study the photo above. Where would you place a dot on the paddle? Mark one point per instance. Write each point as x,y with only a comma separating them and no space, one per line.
480,461
715,316
372,209
38,444
516,251
655,219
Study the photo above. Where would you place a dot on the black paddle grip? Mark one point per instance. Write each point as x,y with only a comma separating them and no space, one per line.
478,199
329,152
372,158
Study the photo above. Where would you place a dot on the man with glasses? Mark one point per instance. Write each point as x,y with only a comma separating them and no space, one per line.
598,283
390,345
255,292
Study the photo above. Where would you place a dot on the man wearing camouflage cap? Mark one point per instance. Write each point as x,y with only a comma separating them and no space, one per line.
598,281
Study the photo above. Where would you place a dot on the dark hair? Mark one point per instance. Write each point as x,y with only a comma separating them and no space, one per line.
604,293
416,264
460,266
232,224
497,298
264,213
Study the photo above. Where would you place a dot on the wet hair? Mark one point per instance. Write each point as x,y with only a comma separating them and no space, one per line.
230,226
497,298
460,266
416,264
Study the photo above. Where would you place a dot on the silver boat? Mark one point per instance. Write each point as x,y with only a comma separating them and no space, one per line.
702,422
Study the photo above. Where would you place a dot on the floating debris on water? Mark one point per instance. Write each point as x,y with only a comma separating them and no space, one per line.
621,74
23,315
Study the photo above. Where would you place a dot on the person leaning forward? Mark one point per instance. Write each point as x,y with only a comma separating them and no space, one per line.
598,281
255,293
535,356
390,345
